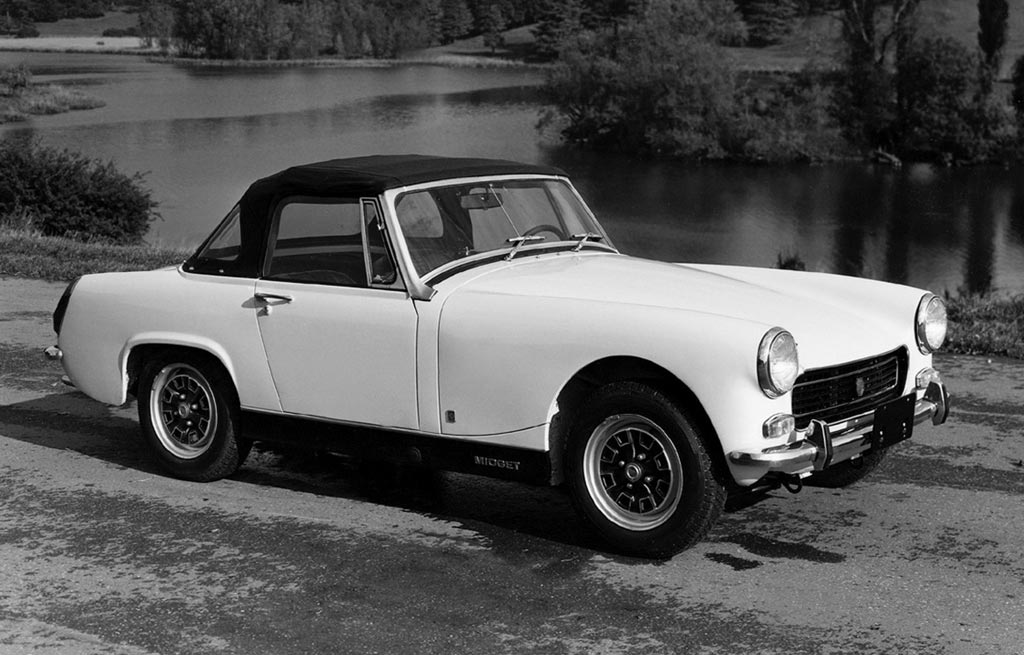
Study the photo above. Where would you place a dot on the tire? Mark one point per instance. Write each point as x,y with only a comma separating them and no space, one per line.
846,473
188,411
639,472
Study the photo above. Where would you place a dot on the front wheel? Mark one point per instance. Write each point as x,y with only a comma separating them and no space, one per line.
188,411
639,471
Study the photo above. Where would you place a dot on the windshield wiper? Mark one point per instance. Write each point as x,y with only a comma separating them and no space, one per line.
583,238
518,243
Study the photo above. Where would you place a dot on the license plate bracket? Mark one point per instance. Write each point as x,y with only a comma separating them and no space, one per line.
894,422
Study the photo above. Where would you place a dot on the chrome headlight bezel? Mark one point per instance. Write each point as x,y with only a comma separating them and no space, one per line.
930,323
778,364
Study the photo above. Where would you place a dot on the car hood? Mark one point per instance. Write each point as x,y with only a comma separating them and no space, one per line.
832,317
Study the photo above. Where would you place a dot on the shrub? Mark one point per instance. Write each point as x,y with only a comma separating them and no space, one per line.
1017,81
648,87
938,83
27,31
768,21
70,195
114,32
14,80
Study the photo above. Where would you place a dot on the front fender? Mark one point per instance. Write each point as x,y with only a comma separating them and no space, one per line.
503,359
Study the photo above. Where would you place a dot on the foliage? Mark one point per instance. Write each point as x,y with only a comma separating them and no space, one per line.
865,96
981,324
660,85
493,26
1017,95
768,20
156,24
275,29
115,32
937,82
48,11
67,194
25,253
15,80
559,22
784,119
455,20
993,16
656,85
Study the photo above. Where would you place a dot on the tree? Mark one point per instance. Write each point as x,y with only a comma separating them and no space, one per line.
156,24
658,85
1017,96
993,16
456,20
866,102
493,26
559,21
768,20
937,80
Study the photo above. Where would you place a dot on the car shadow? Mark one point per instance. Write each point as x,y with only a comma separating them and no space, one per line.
514,517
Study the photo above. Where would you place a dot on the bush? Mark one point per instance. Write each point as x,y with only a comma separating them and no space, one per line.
115,32
14,80
938,115
649,87
27,31
1017,97
67,194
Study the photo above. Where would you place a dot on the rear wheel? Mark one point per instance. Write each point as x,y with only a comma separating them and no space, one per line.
188,411
639,472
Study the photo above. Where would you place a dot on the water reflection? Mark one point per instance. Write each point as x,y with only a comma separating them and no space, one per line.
204,134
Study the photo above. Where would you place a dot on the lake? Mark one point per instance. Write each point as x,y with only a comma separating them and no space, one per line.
203,134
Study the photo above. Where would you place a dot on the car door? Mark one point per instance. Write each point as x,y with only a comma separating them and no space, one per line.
338,327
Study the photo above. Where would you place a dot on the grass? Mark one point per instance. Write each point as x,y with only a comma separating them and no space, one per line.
29,255
986,325
39,100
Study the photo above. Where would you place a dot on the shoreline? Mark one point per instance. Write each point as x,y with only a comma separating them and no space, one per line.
132,46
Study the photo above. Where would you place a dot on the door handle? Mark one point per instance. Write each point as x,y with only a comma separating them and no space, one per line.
267,297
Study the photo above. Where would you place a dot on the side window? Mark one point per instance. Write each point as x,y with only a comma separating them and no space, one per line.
382,267
318,241
225,246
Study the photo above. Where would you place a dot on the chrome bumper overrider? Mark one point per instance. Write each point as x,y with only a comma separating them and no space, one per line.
825,444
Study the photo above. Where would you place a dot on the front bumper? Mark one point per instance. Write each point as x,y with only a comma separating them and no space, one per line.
825,444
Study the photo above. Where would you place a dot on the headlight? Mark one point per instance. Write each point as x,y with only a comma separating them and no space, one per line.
777,362
930,323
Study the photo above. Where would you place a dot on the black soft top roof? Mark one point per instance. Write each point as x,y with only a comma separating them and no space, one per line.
369,176
347,178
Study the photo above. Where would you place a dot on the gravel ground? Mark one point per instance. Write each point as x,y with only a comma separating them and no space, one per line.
307,553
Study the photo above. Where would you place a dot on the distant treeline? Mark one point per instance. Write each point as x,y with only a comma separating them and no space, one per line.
298,29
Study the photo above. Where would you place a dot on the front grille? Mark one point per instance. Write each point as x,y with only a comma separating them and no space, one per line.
843,391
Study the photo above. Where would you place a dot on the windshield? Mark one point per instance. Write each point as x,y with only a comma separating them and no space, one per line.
446,223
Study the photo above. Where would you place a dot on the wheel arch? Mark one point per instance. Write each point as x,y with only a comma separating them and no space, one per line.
139,351
604,371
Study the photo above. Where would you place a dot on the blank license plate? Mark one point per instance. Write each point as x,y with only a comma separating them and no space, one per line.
894,422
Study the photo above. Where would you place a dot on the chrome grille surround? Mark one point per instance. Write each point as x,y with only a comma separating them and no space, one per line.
841,392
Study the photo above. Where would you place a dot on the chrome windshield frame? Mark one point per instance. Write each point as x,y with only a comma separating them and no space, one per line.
415,281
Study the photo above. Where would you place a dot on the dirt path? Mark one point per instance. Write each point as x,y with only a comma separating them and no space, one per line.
298,553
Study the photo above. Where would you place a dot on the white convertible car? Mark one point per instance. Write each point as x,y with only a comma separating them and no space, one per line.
472,315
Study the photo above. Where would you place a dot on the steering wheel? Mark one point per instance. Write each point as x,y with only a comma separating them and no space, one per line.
536,229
